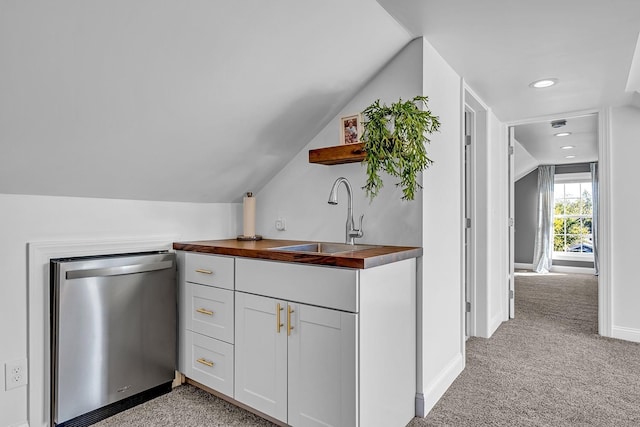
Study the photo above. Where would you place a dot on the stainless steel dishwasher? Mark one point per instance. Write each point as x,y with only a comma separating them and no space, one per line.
113,334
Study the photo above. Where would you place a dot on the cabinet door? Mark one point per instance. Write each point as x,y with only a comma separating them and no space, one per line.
323,377
261,354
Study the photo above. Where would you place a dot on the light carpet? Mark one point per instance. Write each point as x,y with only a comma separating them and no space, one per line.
547,367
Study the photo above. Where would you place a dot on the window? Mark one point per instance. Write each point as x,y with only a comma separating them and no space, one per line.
573,217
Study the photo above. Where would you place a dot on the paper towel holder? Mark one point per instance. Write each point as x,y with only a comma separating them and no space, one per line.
249,219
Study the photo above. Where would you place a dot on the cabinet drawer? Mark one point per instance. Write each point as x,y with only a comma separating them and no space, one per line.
212,270
210,311
209,362
329,287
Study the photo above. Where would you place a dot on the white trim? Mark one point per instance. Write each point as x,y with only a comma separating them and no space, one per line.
571,270
556,268
627,334
469,272
564,178
522,266
478,211
550,117
573,256
436,389
475,97
494,324
40,253
605,299
420,405
461,254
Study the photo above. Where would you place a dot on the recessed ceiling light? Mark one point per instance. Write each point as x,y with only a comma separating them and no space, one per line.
540,84
568,147
562,134
570,157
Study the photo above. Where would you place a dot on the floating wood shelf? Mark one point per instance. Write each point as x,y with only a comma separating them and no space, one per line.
340,154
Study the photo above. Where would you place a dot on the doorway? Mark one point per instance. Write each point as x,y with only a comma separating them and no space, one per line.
477,212
572,143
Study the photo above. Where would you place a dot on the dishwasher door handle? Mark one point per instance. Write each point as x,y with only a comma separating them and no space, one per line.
119,270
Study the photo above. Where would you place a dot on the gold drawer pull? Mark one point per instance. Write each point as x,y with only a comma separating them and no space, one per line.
205,311
205,362
200,270
289,326
278,324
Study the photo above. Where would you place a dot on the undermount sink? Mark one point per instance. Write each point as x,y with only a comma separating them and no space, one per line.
324,248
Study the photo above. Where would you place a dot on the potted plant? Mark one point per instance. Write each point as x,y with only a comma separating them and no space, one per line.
395,140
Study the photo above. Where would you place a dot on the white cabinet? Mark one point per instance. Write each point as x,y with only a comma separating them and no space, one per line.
323,367
296,362
261,359
307,345
209,311
209,362
206,336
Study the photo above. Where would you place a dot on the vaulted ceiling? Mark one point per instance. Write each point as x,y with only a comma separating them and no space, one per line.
203,100
175,100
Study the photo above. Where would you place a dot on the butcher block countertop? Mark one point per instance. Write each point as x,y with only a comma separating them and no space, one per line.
263,249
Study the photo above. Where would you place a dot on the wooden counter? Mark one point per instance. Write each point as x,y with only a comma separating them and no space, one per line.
262,249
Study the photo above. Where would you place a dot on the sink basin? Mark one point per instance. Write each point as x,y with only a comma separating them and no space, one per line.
324,248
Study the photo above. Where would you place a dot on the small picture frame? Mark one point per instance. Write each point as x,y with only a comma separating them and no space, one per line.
351,129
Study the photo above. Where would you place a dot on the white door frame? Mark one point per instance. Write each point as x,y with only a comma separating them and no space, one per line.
469,255
511,230
605,312
478,287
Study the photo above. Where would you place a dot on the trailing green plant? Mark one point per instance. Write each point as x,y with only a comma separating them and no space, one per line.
395,139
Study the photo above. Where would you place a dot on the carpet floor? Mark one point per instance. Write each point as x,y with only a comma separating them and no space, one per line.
547,367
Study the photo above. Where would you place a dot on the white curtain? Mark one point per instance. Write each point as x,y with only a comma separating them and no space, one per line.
543,249
595,191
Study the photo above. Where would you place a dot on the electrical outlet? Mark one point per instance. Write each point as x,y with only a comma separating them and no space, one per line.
281,224
15,374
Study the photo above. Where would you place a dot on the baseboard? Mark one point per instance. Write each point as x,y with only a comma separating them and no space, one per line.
25,424
627,334
434,390
495,323
522,266
556,268
420,405
572,270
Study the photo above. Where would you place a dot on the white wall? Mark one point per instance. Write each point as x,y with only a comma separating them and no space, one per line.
524,162
625,251
300,191
441,329
25,219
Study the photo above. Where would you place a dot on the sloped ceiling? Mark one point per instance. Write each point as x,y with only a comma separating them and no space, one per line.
175,100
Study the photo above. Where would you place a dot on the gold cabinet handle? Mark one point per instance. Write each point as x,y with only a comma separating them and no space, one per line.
278,322
200,270
289,326
205,311
205,362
